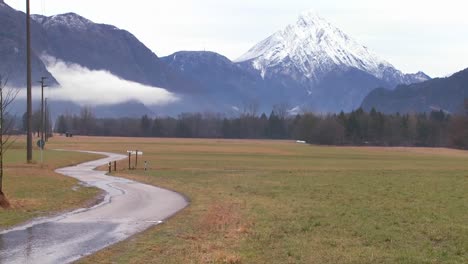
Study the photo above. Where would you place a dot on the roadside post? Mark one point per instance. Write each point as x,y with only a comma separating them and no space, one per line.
136,153
115,165
129,159
110,167
146,165
136,159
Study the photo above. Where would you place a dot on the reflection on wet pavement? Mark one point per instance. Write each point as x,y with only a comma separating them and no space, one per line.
55,242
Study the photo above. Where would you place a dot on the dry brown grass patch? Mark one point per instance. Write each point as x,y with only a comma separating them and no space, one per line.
225,223
25,203
4,203
223,257
222,217
211,253
420,150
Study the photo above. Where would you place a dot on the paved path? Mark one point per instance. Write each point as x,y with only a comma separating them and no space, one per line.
129,208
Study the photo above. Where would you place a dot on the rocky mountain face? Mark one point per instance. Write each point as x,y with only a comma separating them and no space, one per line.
224,82
75,39
13,47
447,94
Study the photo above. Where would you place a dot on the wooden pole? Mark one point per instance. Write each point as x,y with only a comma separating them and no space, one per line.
1,136
29,85
136,160
46,121
129,160
42,109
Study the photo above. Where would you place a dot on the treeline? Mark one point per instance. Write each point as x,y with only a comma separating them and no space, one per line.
436,129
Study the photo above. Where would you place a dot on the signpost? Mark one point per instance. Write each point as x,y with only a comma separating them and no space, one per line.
41,145
136,153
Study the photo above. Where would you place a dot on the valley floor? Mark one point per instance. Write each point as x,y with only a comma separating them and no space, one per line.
282,202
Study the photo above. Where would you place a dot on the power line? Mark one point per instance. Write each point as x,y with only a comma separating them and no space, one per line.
43,7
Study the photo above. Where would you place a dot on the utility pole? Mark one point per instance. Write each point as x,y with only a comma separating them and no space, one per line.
42,142
42,107
46,121
29,85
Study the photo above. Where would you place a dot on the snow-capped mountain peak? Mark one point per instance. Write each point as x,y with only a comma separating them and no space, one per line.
69,20
311,48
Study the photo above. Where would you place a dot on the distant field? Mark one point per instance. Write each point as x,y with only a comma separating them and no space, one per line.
281,202
35,190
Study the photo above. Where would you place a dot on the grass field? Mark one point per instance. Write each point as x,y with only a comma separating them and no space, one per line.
34,190
281,202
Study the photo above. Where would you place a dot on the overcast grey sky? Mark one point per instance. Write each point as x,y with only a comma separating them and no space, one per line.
413,35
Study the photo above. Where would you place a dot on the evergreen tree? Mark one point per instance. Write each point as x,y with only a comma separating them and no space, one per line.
145,125
61,126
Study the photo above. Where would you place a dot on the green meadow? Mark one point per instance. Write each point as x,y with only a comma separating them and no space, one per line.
282,202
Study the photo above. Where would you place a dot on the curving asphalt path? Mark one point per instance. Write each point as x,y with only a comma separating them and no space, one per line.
128,208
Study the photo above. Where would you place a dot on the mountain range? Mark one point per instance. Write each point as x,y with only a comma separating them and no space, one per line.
13,47
308,65
322,64
446,94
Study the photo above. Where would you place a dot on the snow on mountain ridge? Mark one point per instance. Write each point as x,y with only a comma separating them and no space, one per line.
69,20
38,18
313,47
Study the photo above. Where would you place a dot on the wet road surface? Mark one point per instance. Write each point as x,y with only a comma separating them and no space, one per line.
128,208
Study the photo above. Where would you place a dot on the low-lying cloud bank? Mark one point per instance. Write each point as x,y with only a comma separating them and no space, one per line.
98,87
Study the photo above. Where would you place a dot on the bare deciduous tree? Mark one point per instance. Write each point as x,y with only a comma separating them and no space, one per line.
250,108
7,96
